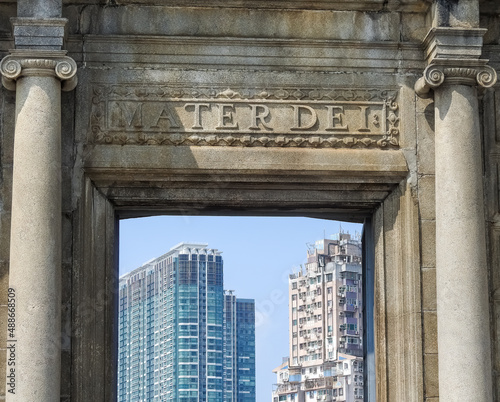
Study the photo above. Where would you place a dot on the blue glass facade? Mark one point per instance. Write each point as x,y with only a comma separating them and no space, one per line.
172,329
239,349
245,350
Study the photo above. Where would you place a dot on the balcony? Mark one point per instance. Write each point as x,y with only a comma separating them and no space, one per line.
318,383
285,388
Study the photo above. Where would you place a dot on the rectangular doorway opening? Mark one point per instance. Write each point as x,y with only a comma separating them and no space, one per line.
325,330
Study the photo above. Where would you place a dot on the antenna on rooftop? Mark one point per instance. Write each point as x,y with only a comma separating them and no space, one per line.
310,247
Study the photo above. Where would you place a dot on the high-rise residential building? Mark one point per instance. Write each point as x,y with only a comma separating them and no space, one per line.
176,325
239,349
325,326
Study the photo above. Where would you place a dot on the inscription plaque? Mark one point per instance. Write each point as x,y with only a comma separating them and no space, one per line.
306,117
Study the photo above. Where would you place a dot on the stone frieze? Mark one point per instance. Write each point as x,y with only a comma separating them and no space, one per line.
220,116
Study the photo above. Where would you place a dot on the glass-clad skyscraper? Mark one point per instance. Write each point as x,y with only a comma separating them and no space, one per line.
175,331
239,349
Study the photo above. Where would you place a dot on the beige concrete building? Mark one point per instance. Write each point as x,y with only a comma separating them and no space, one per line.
325,325
325,303
383,112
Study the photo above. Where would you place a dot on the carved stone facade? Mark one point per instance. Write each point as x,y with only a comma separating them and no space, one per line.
220,116
374,111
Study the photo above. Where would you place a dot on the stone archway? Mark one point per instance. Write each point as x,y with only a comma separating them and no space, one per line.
316,109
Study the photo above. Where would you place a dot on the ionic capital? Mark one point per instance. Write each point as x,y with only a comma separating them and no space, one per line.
25,63
455,72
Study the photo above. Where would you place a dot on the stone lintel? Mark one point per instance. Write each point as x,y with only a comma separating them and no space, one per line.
43,34
54,63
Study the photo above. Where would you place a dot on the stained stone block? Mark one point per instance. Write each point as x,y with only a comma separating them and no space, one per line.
429,289
3,318
425,137
497,382
67,239
495,260
4,281
39,8
7,117
431,375
5,236
65,375
428,243
427,197
5,190
430,332
496,330
414,27
457,13
7,10
250,23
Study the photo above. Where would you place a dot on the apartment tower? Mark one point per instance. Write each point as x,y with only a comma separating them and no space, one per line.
174,330
325,325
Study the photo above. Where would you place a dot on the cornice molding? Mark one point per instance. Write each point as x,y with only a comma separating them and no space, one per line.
412,6
25,63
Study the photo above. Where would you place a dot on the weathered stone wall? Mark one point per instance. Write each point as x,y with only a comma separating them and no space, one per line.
259,53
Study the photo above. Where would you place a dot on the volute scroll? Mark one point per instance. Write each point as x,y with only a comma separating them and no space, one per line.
38,63
444,71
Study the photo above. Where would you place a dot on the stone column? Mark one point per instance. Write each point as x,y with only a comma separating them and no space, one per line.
35,247
464,350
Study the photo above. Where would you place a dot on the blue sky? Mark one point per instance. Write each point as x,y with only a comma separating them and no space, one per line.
258,255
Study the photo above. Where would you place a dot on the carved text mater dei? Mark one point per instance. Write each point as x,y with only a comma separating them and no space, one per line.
279,117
